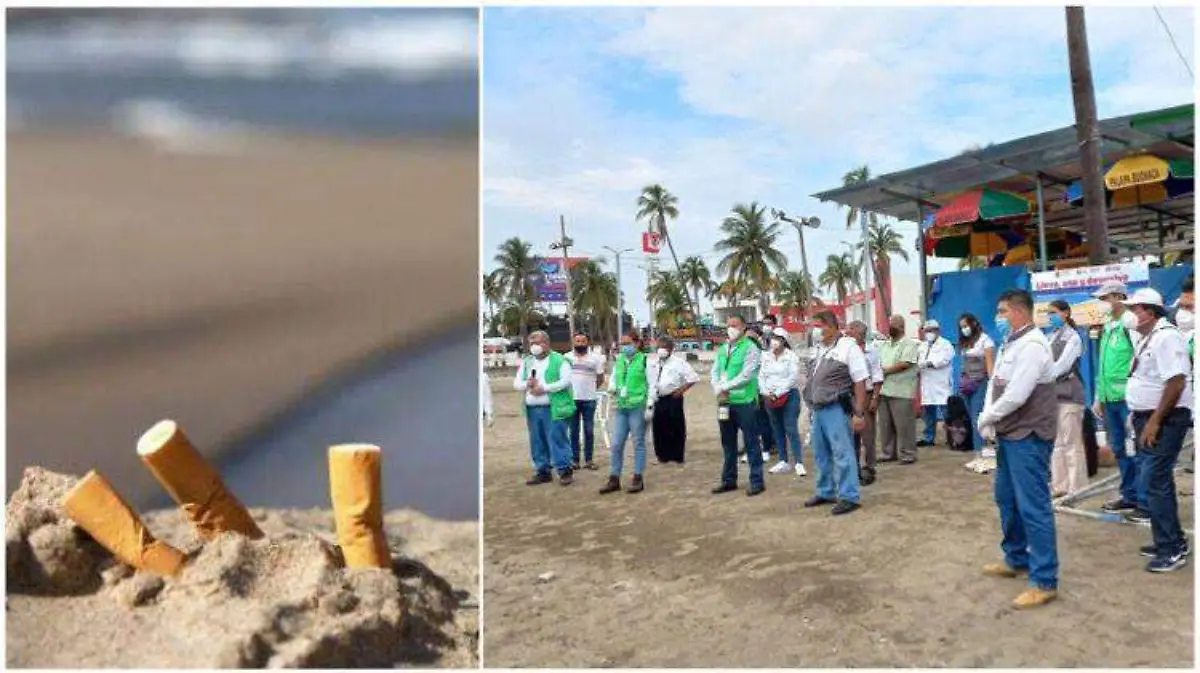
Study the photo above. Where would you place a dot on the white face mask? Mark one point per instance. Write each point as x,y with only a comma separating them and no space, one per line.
1106,309
1129,320
818,334
966,331
734,333
930,337
1185,320
537,350
663,354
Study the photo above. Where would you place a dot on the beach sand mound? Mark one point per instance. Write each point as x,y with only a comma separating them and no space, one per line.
286,600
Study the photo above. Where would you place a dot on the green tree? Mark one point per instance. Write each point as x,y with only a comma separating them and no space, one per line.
795,293
697,277
594,294
839,275
885,242
668,299
751,257
493,292
517,273
656,205
854,177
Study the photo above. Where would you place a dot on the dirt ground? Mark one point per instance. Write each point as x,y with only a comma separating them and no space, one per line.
677,577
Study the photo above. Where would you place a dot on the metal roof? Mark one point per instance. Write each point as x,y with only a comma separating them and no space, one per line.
1016,166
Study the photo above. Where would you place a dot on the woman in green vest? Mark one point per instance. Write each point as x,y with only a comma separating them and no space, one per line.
630,389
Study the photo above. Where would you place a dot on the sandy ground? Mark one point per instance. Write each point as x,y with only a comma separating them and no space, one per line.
677,577
217,289
283,601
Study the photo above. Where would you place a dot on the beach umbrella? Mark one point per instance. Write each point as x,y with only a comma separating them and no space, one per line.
1141,179
963,241
1059,243
983,210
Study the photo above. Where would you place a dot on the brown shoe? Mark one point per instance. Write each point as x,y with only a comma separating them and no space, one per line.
1003,570
613,485
1033,597
637,486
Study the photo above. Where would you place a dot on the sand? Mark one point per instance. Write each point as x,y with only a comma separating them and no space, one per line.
284,601
677,577
217,289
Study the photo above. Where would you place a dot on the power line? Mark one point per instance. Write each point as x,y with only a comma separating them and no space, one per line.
1171,36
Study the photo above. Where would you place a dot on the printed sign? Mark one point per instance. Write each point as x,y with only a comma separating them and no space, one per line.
1075,286
551,284
651,242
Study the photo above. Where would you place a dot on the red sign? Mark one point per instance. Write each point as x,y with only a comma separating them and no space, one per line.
651,242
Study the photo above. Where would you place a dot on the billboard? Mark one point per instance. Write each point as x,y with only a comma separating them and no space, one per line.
551,283
1075,286
651,243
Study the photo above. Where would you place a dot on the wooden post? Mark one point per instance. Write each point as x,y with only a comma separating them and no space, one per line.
1084,95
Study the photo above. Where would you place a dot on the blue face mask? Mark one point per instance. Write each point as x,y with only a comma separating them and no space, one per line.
1056,321
1002,326
628,350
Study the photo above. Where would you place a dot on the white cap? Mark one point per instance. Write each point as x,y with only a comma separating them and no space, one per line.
932,324
1146,296
1111,287
780,332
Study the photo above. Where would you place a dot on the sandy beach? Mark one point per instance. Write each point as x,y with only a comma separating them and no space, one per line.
220,288
677,577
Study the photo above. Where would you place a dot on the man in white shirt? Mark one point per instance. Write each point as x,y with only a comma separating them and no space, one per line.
864,441
670,379
485,393
545,378
933,363
836,392
587,374
1021,412
1160,402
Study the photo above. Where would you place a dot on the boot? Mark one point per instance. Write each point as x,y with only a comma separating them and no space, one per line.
637,486
1003,570
1033,597
613,485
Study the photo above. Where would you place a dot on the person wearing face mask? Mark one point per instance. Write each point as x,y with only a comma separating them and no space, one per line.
630,388
545,378
671,378
897,420
587,374
777,385
864,440
735,381
1021,413
1068,463
836,392
1117,343
1185,320
1160,404
766,439
978,353
933,364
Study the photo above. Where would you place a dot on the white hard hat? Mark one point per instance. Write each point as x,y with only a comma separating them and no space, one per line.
1146,296
780,332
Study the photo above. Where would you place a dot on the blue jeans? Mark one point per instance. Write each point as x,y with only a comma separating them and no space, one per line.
625,422
833,448
547,440
742,418
785,424
1026,515
974,408
931,414
1159,468
585,411
1133,486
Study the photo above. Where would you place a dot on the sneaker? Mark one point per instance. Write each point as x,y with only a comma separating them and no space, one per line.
755,490
924,442
1138,516
566,478
1150,551
973,464
985,465
844,507
724,488
817,501
866,477
1118,505
1166,564
744,459
800,471
637,486
779,468
766,455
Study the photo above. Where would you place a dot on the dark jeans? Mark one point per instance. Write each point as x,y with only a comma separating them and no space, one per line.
1133,487
585,412
766,439
785,426
1158,465
1026,513
742,418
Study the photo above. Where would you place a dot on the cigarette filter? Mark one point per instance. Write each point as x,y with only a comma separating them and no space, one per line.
354,486
100,510
193,483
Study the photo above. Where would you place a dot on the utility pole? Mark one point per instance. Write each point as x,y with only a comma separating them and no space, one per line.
868,263
799,224
1086,130
620,294
565,244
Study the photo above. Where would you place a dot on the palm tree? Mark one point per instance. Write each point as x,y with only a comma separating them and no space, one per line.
656,205
885,242
839,275
517,273
514,319
729,289
860,174
750,253
594,296
493,292
696,276
668,299
795,293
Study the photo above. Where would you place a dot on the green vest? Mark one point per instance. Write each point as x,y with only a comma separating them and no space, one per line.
1116,356
632,375
731,365
562,403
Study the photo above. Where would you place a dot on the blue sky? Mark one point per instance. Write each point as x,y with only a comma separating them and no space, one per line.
582,107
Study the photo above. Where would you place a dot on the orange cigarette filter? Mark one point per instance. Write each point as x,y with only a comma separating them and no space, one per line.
354,486
100,510
194,483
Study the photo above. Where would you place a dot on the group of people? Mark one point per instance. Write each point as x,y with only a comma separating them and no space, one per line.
1023,398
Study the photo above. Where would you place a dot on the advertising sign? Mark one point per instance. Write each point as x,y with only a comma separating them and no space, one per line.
651,243
1075,286
551,284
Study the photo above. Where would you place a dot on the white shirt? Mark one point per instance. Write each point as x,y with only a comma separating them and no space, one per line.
874,366
718,379
1162,357
981,344
1020,365
669,375
777,374
538,366
584,370
933,366
1072,349
846,351
486,393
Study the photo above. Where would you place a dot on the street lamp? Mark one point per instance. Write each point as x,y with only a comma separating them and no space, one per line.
799,224
620,295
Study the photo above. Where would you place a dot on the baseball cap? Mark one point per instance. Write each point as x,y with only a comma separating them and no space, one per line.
932,324
1145,296
1111,287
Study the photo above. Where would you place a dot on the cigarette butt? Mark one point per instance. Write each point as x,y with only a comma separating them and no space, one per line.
354,485
193,483
100,510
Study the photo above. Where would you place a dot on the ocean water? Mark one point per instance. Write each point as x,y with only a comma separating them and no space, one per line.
347,72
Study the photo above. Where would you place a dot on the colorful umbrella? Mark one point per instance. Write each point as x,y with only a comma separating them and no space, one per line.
981,206
1141,179
1059,243
969,243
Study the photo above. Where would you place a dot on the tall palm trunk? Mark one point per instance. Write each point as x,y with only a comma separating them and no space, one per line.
883,272
674,258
